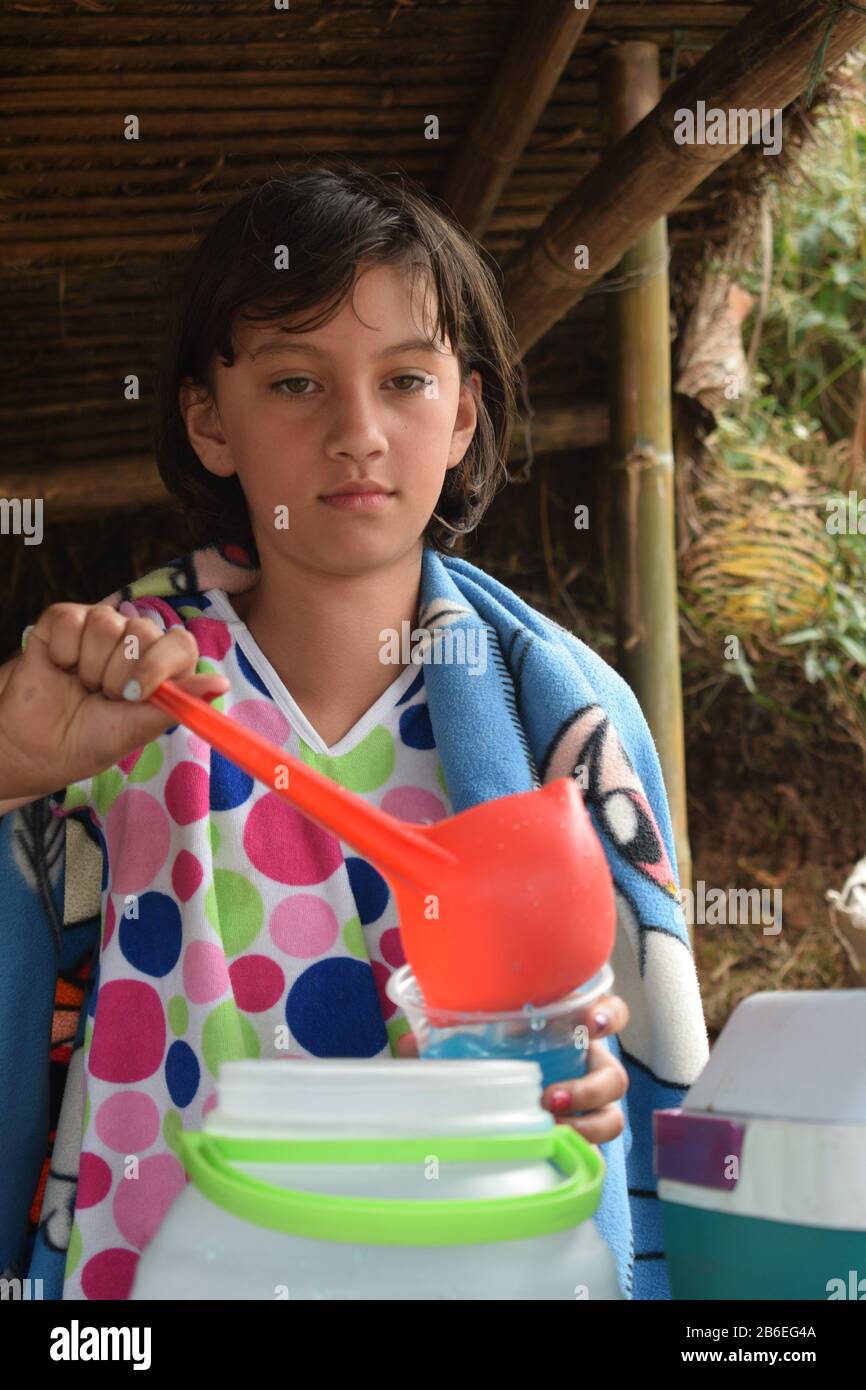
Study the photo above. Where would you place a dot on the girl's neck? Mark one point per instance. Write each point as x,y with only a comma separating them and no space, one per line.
321,632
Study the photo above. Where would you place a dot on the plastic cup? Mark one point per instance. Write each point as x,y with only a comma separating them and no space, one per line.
553,1035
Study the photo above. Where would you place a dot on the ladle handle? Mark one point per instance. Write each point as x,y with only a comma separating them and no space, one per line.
389,843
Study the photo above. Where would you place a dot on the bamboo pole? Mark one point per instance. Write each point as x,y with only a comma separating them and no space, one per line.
541,44
762,64
640,476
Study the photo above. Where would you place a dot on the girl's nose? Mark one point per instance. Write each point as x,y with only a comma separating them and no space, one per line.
355,429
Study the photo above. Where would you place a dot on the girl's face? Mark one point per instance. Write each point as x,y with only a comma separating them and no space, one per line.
361,398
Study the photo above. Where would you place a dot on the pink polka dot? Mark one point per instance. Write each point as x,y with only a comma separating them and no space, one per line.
128,763
186,793
257,982
304,926
128,1031
144,607
391,947
139,836
263,717
127,1122
205,974
414,804
197,748
286,847
109,1274
210,1104
94,1180
110,922
186,875
140,1204
381,974
212,635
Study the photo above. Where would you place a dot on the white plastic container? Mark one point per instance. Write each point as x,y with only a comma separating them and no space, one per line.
356,1179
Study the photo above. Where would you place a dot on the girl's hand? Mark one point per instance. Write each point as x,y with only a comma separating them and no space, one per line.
605,1082
596,1093
62,715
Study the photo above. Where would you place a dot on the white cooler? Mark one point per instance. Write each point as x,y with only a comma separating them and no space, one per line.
762,1171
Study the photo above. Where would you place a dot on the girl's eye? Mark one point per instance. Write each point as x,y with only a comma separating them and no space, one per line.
287,381
421,381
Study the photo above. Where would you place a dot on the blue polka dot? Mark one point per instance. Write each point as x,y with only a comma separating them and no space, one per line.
413,688
182,1073
229,786
252,676
416,730
151,941
93,986
333,1010
369,888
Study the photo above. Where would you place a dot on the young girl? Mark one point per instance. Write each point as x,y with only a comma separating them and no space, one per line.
336,402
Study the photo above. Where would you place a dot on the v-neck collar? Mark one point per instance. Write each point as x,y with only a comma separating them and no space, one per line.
284,700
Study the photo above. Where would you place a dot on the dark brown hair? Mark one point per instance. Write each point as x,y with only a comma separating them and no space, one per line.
334,217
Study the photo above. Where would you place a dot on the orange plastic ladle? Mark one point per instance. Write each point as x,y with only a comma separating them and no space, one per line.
506,904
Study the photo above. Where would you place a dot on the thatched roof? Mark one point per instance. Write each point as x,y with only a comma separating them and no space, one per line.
228,91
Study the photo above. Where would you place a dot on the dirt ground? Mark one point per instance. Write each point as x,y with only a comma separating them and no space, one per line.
767,812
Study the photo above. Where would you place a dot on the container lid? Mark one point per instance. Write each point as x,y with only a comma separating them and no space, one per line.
379,1221
789,1055
386,1098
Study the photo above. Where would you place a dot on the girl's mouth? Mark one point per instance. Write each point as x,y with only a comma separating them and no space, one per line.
357,501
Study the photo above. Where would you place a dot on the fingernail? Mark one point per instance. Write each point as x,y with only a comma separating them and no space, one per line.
132,691
559,1101
601,1021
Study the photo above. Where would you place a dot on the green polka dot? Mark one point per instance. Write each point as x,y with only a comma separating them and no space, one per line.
171,1128
235,908
396,1027
73,1253
157,584
188,611
440,775
353,938
148,764
74,797
363,769
207,668
88,1035
86,1119
215,837
178,1015
227,1036
106,786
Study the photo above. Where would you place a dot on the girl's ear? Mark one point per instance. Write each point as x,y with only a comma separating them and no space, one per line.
466,420
204,430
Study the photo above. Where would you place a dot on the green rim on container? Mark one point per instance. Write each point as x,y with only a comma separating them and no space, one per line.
376,1221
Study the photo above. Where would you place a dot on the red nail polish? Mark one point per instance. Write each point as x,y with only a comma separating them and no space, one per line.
560,1101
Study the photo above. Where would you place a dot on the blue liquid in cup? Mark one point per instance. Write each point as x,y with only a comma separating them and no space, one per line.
563,1063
